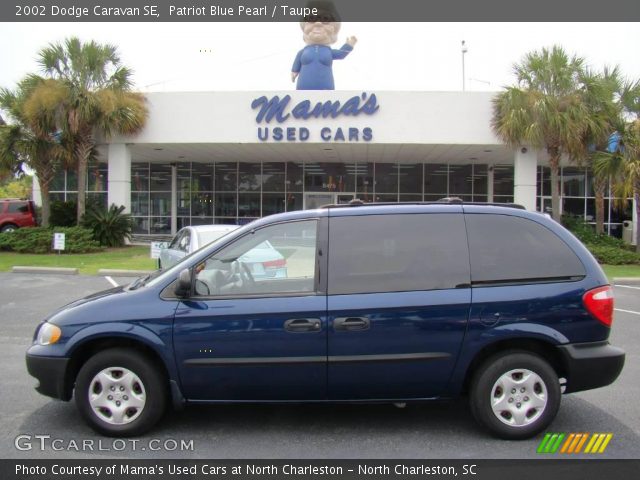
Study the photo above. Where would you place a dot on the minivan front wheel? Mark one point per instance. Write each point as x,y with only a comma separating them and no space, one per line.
515,395
120,393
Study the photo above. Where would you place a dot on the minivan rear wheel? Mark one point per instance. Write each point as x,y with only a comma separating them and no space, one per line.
515,395
120,393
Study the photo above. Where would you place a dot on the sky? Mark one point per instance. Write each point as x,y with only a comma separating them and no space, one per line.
388,56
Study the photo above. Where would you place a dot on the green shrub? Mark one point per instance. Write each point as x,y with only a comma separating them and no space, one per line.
40,240
613,255
110,227
63,214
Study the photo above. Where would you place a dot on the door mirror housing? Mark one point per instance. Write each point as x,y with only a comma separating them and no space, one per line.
183,284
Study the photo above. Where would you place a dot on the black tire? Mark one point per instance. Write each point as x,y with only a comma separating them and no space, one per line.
152,385
482,395
9,227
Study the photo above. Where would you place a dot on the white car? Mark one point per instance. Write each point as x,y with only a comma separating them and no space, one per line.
190,239
263,261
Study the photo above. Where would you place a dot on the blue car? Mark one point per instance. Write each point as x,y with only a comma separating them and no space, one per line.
394,303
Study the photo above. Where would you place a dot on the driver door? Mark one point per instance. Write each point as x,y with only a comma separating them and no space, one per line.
255,327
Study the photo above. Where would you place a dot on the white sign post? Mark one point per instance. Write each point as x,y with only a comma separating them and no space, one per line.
58,242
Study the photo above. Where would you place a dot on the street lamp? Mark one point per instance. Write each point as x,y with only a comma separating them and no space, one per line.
464,50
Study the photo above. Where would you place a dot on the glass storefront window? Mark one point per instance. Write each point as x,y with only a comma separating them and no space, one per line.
225,205
226,176
573,206
273,177
249,205
98,174
479,183
139,177
386,178
573,182
160,177
201,177
273,203
160,203
364,181
503,181
250,177
294,181
410,178
436,179
329,177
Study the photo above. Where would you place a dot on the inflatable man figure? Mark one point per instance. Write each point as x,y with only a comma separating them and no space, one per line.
313,64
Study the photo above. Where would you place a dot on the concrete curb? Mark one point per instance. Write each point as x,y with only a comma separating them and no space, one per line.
626,280
55,270
123,273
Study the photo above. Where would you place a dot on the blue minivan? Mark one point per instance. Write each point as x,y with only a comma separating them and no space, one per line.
381,303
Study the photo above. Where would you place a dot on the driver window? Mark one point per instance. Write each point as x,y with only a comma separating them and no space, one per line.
278,259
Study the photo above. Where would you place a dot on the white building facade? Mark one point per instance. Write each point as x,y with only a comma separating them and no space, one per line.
230,157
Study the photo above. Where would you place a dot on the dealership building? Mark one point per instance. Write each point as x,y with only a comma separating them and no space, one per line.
230,157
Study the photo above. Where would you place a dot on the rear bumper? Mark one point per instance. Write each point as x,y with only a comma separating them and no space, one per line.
591,365
51,373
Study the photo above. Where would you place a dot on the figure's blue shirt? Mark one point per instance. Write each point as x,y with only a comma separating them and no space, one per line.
313,63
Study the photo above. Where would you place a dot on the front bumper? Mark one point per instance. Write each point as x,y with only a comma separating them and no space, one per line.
51,373
591,365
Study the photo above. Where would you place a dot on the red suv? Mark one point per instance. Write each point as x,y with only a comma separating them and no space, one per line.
16,213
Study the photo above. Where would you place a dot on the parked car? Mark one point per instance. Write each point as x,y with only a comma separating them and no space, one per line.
189,239
264,261
393,303
16,213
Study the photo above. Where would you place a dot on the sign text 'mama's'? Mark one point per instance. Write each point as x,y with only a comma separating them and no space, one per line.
278,108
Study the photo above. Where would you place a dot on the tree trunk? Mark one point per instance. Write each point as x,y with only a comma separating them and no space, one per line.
599,188
46,204
636,196
554,165
83,151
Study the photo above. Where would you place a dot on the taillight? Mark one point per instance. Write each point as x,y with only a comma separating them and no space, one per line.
599,302
275,263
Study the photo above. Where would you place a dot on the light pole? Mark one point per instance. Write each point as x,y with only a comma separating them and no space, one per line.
464,50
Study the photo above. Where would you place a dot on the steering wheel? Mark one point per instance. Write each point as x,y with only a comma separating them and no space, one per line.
245,275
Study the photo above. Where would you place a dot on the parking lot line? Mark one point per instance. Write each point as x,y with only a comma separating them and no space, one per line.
626,311
627,286
111,281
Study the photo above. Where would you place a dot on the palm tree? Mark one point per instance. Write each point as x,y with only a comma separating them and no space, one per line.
91,95
32,141
603,92
614,154
546,109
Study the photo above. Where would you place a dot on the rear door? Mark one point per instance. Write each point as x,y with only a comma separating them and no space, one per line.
398,302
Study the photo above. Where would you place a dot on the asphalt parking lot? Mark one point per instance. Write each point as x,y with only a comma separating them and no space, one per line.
437,430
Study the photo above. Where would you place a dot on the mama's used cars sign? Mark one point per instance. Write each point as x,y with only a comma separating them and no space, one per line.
278,110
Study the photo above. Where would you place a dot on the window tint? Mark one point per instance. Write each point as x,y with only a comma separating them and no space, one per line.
507,248
279,259
18,207
394,253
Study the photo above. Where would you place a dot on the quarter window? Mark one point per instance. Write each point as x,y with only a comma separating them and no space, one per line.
393,253
505,248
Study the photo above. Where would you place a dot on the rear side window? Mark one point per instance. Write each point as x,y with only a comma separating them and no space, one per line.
395,253
18,207
513,249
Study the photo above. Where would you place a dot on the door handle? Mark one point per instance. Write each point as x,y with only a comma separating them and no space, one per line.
351,323
302,325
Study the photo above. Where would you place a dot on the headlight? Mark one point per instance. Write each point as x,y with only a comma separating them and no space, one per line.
48,334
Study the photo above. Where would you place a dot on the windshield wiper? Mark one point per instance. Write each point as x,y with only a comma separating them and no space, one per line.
139,282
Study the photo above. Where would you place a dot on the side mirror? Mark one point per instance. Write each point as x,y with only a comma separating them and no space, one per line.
183,285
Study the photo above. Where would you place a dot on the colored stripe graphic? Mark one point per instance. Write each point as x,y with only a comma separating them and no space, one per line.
573,443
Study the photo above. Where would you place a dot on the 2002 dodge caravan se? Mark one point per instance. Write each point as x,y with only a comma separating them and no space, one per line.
392,303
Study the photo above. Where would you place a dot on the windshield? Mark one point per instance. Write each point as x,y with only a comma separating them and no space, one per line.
205,238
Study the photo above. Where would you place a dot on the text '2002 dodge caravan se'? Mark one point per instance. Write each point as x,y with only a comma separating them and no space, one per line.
396,303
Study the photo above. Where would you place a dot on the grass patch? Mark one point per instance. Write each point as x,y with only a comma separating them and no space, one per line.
128,258
621,270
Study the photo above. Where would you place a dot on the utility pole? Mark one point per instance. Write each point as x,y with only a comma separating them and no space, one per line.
464,50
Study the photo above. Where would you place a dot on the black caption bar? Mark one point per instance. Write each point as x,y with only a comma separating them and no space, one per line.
296,10
318,469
